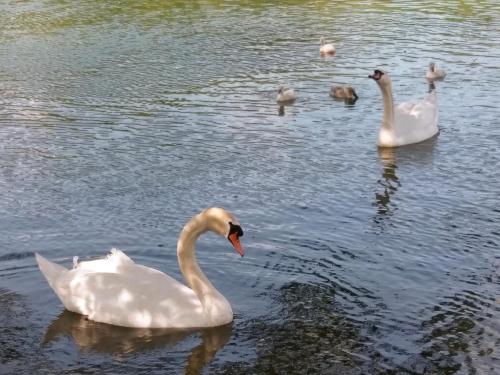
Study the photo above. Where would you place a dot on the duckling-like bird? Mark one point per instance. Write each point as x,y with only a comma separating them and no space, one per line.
326,48
285,95
434,74
343,92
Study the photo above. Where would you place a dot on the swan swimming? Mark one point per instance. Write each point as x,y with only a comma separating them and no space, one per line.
285,95
116,290
435,74
409,122
326,48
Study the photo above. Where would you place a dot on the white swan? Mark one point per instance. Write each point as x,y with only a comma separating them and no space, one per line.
410,122
117,291
285,95
435,74
343,92
326,48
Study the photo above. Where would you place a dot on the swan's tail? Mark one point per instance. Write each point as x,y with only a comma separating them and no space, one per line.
50,270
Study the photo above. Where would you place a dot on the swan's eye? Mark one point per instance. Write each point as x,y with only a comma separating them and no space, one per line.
234,228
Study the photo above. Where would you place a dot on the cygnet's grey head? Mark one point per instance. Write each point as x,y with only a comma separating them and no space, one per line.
352,93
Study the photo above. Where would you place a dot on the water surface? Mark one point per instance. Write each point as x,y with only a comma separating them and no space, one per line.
119,121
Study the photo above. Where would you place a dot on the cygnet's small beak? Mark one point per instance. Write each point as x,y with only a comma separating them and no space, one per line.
235,241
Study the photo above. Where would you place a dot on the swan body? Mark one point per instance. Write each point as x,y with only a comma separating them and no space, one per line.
116,290
409,122
285,95
435,74
343,92
326,48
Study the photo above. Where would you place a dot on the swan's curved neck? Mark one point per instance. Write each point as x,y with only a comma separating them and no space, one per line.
388,119
188,265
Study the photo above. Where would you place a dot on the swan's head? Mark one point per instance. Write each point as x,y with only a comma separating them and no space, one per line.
225,224
321,41
280,89
432,65
380,77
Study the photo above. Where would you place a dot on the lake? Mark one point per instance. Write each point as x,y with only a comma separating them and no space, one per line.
121,120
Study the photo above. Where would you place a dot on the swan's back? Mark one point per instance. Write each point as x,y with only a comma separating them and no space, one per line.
326,48
142,297
116,262
286,95
435,74
414,121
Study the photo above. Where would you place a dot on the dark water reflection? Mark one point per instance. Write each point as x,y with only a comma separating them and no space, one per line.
111,339
391,159
389,181
119,121
281,110
104,338
312,335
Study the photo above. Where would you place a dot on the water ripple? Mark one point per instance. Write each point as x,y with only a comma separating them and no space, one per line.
118,122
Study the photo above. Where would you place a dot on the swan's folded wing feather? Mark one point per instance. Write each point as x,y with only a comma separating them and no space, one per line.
142,297
113,262
416,121
416,112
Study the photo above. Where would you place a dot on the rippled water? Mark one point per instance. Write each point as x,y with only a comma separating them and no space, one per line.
120,121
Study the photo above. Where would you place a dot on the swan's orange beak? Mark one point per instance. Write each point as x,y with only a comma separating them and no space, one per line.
235,241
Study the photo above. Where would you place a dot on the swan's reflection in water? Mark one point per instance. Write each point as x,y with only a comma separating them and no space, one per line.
389,181
105,338
418,156
282,105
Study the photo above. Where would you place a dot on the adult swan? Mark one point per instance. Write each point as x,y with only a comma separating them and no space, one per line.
115,290
409,122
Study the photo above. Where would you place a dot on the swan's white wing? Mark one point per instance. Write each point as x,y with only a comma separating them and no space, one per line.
327,48
436,74
290,94
137,297
113,262
416,120
287,95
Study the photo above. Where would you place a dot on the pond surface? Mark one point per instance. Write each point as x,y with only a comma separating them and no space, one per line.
119,121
